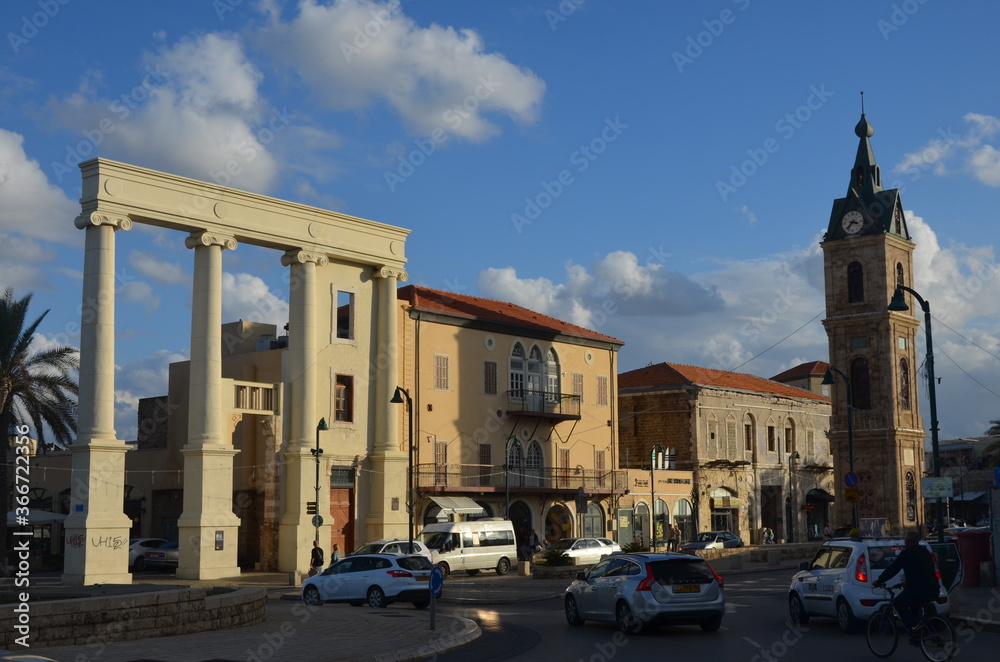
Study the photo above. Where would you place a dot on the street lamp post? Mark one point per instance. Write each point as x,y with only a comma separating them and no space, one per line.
316,453
653,454
829,379
397,399
898,304
792,513
506,473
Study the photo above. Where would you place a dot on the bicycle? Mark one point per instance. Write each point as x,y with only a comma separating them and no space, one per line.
936,635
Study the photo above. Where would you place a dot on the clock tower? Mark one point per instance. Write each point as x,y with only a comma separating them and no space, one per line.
867,252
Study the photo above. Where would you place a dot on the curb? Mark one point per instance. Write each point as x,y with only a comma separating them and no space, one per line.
977,624
468,632
507,600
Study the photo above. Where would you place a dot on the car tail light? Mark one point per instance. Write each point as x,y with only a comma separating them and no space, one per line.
400,573
647,583
722,583
861,569
868,602
942,600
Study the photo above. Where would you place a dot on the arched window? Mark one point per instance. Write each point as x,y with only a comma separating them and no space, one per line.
533,465
904,384
860,384
899,275
517,371
911,498
533,379
749,433
551,376
789,436
855,283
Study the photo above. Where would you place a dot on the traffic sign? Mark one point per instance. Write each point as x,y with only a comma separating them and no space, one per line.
852,494
317,521
850,479
437,581
937,487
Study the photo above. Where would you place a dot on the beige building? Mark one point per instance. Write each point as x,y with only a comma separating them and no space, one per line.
757,449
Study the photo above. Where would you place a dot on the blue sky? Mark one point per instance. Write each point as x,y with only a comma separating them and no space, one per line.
580,158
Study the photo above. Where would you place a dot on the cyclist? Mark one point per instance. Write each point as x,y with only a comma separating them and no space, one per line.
917,564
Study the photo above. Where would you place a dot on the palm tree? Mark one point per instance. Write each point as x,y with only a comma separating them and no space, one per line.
36,389
994,430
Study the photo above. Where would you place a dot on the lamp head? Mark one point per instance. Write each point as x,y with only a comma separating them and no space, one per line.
898,303
322,425
828,378
397,397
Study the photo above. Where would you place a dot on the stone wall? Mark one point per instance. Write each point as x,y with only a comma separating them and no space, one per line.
94,621
760,557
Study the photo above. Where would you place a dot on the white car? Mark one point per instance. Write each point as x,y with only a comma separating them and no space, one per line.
137,548
608,542
838,582
583,551
394,547
375,579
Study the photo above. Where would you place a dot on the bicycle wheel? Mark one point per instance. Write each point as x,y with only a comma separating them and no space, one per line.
937,639
883,637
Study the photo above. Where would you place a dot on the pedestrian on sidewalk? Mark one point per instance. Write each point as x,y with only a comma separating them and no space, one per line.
316,559
335,554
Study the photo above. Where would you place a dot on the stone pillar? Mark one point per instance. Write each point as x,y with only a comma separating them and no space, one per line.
208,527
387,516
301,372
97,531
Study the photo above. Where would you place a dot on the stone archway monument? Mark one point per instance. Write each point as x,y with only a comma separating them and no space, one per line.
215,219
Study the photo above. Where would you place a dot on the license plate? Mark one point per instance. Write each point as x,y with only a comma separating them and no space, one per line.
692,588
423,579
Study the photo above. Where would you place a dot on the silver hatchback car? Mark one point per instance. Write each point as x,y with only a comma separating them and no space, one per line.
636,591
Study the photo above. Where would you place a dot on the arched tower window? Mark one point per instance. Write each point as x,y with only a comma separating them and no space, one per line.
855,283
860,384
911,498
899,275
904,384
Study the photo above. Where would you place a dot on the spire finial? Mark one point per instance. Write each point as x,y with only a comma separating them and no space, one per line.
862,102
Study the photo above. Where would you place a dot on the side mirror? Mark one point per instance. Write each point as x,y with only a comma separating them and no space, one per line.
804,565
581,576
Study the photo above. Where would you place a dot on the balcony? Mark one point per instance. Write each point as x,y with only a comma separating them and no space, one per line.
255,397
483,478
545,404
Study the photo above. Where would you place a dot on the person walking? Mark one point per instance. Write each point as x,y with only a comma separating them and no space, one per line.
316,559
335,554
827,532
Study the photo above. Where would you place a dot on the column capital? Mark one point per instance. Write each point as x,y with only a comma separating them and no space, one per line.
97,217
299,256
390,272
209,238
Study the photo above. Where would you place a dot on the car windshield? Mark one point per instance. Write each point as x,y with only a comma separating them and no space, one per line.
682,571
370,548
705,537
415,563
564,543
436,539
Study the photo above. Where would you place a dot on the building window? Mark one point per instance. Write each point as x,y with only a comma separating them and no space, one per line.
713,439
599,466
748,433
899,275
534,373
860,386
343,399
904,384
578,385
440,372
563,470
440,463
602,391
789,436
732,451
485,465
811,443
517,371
772,439
911,498
490,377
855,283
552,385
345,315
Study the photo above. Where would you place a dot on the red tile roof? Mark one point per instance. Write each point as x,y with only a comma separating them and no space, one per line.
813,368
477,308
674,374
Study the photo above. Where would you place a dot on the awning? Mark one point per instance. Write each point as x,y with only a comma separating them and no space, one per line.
819,495
969,496
457,505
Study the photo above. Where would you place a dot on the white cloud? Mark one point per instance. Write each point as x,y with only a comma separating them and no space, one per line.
33,207
195,110
751,217
22,263
141,378
357,53
138,291
247,297
971,150
159,270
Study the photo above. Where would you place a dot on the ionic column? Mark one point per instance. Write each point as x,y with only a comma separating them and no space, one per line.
301,372
207,528
97,531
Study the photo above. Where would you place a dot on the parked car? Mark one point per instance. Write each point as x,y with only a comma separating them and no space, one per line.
583,551
375,579
137,551
712,540
636,591
608,542
164,557
482,544
838,582
394,547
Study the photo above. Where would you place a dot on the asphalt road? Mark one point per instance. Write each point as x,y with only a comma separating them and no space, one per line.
756,628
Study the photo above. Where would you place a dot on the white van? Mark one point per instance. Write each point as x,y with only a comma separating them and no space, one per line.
484,544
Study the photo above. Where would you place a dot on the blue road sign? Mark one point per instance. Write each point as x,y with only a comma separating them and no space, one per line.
850,479
437,581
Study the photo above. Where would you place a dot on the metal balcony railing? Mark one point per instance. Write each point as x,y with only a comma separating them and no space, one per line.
254,397
476,476
551,403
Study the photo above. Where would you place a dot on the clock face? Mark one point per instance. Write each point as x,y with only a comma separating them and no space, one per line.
852,222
